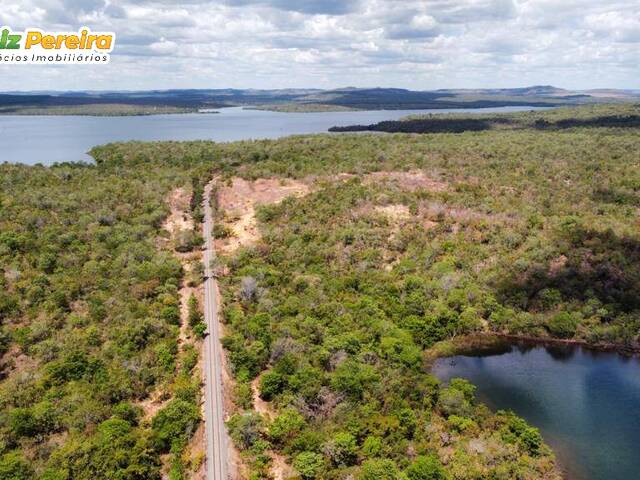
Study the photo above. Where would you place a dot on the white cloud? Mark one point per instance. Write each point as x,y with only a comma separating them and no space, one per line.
420,44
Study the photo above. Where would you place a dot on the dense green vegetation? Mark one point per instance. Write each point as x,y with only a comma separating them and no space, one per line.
95,110
534,233
619,116
303,108
89,321
335,312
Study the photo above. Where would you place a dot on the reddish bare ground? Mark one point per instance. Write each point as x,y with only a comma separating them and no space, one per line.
280,469
196,454
238,201
179,217
15,362
259,405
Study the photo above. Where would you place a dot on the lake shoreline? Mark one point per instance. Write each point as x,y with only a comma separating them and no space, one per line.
620,349
489,343
48,139
566,388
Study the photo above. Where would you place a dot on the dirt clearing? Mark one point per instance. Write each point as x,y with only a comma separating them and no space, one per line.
239,199
179,217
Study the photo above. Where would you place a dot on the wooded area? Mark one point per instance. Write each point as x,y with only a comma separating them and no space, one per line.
402,244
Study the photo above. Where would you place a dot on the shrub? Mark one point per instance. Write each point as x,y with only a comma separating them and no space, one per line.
286,425
13,466
563,325
174,424
186,241
378,469
245,429
341,449
308,464
171,314
271,384
426,468
372,446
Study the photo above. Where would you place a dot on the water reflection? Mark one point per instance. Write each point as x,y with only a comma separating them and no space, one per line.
586,404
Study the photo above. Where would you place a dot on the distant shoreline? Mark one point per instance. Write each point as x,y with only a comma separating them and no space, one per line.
95,110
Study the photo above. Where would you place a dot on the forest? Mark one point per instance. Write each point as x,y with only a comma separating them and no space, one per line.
620,116
89,325
404,247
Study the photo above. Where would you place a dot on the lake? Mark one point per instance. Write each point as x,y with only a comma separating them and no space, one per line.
48,139
585,403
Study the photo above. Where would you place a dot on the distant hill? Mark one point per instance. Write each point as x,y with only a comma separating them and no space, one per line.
350,97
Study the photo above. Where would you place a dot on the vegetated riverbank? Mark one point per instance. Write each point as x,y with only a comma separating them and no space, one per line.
493,343
96,110
619,116
567,391
303,108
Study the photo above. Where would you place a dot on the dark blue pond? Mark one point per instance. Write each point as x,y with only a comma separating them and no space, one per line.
586,404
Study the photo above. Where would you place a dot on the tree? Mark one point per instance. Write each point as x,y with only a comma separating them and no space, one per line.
175,423
563,325
408,421
378,469
426,468
372,446
452,401
531,440
529,437
22,422
171,314
341,449
249,289
195,317
271,384
352,378
308,464
186,240
246,429
286,425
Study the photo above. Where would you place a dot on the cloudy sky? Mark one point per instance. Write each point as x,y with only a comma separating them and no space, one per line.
421,45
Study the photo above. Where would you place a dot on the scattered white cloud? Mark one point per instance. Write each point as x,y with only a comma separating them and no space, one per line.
418,44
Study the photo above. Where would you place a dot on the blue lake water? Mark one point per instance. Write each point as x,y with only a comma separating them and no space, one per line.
49,139
586,404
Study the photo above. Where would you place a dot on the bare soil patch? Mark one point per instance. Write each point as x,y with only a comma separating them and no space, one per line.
239,199
179,217
16,362
259,405
280,469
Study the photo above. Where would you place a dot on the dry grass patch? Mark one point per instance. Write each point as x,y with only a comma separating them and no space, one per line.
410,181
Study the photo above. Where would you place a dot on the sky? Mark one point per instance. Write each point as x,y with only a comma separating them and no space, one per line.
420,45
